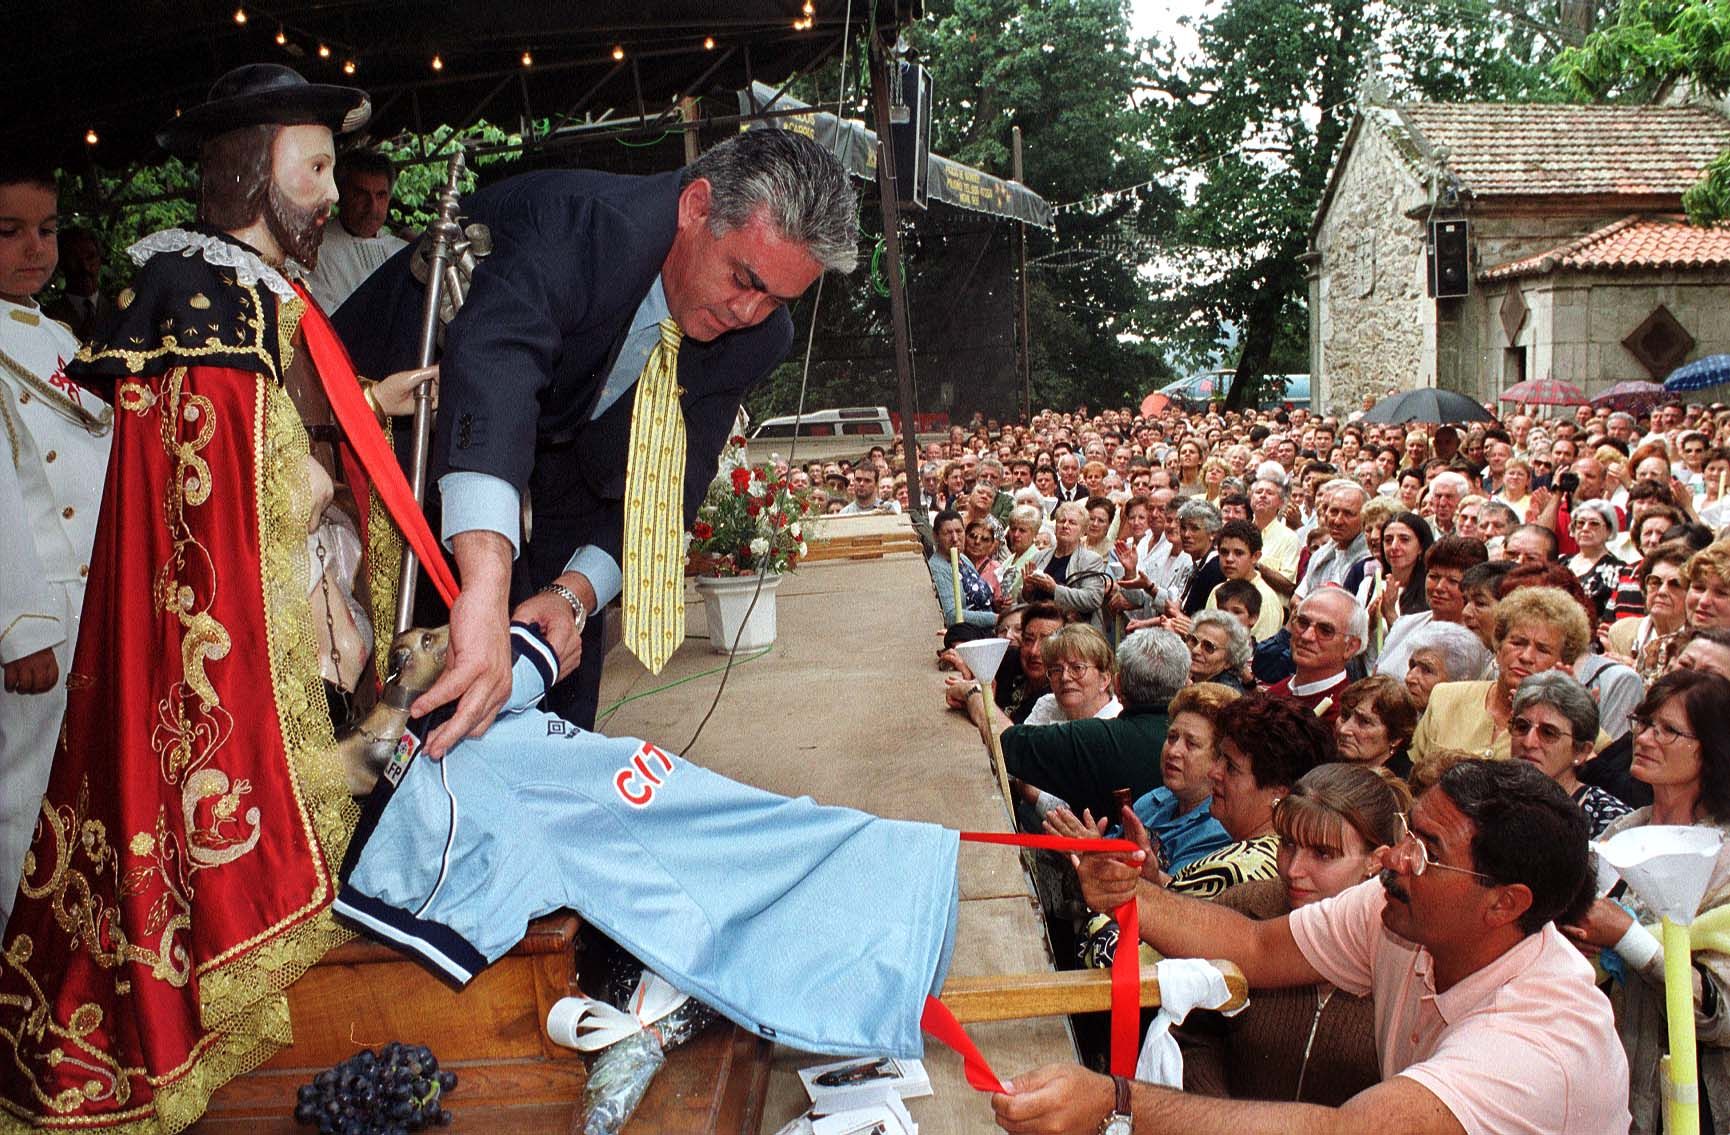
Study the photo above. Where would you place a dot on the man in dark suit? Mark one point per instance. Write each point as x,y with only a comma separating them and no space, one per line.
539,377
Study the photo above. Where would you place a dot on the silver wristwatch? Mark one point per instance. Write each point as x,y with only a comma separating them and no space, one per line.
1119,1122
578,611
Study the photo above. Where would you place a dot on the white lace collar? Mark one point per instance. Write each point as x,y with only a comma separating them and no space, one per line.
247,266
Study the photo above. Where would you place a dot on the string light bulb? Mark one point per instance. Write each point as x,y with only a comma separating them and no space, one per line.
348,67
618,53
708,43
810,9
90,137
240,16
281,37
528,59
324,51
438,63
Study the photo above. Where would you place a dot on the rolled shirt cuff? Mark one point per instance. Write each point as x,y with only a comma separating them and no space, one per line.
1638,947
480,501
600,569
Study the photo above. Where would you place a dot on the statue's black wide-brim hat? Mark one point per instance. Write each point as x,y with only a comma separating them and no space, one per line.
261,93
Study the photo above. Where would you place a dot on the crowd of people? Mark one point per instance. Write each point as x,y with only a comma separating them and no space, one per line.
1270,632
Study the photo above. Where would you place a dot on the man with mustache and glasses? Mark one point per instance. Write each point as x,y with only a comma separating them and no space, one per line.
183,858
1486,1016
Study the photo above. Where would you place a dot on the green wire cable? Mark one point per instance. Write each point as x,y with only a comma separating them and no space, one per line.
624,701
644,145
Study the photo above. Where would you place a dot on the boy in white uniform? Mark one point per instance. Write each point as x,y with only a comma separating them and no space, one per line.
54,440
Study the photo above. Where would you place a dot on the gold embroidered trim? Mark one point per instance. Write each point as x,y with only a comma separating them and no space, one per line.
384,567
251,322
13,625
270,961
288,316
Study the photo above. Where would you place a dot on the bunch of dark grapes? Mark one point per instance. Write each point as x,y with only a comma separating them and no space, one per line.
393,1091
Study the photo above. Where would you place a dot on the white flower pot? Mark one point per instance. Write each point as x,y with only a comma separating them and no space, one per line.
726,600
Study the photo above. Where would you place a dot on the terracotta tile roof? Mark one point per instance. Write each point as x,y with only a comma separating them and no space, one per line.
1636,243
1546,149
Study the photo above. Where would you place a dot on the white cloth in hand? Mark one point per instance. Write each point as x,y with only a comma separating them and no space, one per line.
1184,984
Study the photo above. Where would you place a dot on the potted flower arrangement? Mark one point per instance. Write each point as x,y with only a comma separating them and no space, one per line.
748,532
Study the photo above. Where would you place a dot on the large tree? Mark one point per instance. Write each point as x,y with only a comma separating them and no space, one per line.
1250,126
1648,47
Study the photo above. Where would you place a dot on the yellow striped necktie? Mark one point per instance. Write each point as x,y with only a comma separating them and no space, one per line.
655,509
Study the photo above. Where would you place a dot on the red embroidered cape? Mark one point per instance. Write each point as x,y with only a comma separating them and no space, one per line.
184,857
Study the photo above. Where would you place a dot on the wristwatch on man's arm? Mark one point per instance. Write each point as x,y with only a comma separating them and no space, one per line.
1119,1122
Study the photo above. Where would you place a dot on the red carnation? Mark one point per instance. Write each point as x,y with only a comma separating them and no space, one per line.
753,509
737,439
702,531
741,480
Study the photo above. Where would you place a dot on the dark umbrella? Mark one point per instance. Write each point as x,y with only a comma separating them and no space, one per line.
1633,396
1428,405
1713,370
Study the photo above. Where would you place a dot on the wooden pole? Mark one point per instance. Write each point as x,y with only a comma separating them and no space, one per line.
892,261
1014,997
1023,331
688,114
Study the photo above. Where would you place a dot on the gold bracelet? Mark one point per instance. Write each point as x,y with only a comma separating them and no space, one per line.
366,389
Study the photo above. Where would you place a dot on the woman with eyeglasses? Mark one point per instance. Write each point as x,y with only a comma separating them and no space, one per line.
1072,576
1646,643
1375,724
1313,1043
1593,525
1219,646
1682,750
1082,670
1555,727
1536,629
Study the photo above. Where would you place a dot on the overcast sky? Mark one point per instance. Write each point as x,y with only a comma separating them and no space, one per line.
1159,17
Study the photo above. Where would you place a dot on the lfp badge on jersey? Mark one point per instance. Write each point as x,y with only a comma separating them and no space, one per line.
401,757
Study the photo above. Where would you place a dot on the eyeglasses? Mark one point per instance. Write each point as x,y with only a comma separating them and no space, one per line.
1201,645
1303,624
1547,733
1667,734
1410,855
1069,669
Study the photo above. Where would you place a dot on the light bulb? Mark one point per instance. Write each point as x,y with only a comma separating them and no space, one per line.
90,138
528,59
438,63
618,54
281,38
708,43
324,51
240,16
348,67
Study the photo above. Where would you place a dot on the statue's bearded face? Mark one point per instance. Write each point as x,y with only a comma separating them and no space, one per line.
302,190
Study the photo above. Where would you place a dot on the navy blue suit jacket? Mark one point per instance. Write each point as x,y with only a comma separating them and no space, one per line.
574,253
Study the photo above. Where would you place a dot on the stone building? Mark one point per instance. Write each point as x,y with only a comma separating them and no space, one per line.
1578,263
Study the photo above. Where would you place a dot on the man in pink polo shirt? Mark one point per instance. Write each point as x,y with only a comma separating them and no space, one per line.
1487,1020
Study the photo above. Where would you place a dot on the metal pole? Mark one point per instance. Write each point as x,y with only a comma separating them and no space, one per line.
688,115
444,231
1023,332
892,246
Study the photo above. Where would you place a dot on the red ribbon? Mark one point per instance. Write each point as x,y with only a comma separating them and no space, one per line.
1125,972
361,427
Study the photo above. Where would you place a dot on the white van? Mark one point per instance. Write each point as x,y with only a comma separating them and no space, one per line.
849,431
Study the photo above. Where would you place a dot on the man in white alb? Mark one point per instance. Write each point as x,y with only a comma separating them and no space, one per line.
359,242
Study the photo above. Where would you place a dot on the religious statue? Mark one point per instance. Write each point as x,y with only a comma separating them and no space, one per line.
184,858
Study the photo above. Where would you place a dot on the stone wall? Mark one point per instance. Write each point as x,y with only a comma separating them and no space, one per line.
1577,322
1368,304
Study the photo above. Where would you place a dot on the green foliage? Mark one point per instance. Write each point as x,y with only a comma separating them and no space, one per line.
422,170
1649,46
1251,127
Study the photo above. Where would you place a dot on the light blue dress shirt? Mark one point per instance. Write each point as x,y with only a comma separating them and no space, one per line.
482,501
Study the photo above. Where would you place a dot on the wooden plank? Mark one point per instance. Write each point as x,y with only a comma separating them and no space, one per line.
1014,997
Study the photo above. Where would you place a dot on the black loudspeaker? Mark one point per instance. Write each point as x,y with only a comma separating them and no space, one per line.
910,130
1450,256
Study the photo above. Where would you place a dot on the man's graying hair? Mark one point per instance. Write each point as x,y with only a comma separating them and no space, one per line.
803,186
